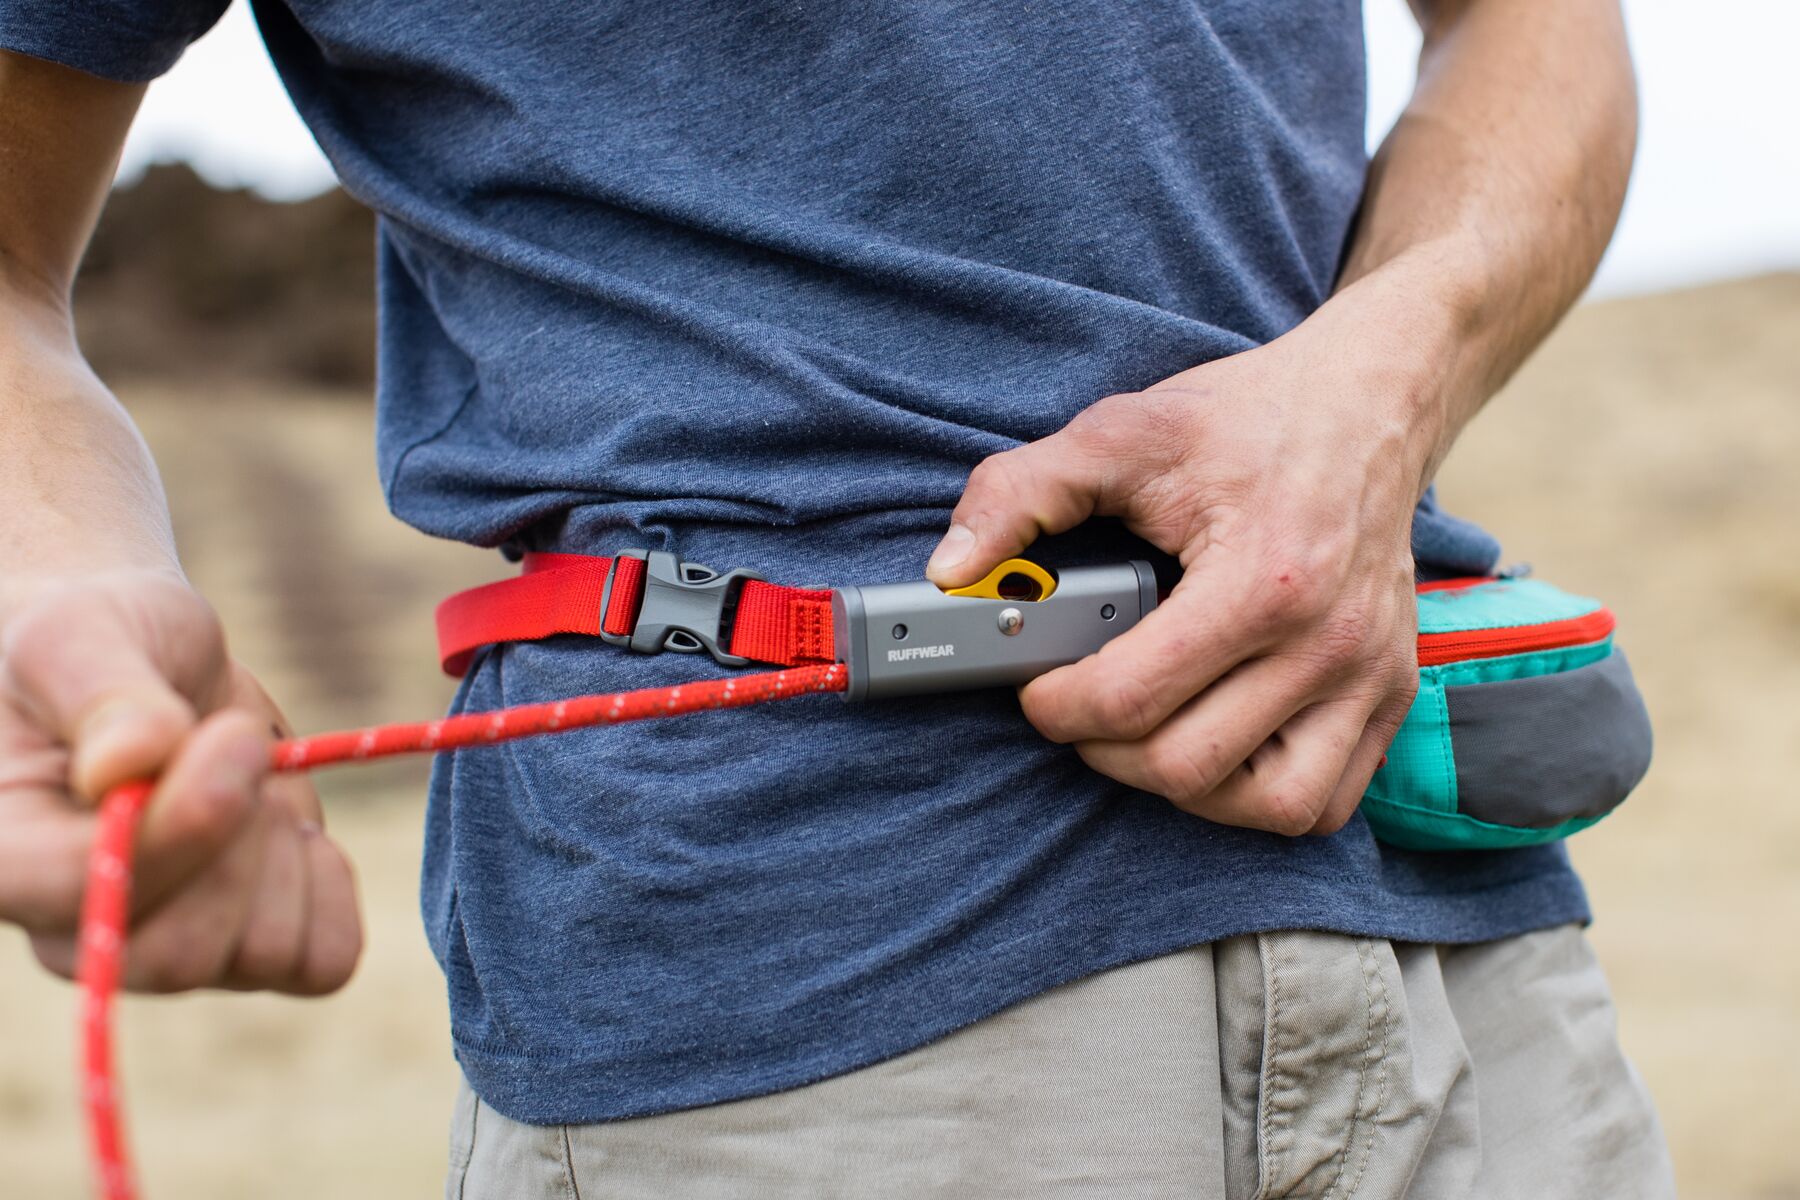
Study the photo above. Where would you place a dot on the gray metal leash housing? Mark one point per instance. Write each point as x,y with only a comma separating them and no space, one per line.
905,639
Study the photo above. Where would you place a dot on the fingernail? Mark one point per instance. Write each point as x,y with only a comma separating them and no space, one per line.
99,739
955,547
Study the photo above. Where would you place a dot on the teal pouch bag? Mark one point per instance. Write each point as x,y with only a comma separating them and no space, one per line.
1527,727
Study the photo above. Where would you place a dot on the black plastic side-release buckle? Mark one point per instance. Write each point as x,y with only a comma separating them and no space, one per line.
685,608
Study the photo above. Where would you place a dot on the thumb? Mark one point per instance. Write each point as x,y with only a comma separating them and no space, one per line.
86,672
1011,498
128,731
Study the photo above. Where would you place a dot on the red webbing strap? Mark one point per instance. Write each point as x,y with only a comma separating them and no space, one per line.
627,594
783,625
561,593
554,593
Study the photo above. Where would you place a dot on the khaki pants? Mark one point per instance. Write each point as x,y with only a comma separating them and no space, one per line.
1283,1064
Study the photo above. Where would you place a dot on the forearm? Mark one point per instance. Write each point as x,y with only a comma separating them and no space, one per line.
78,490
1491,201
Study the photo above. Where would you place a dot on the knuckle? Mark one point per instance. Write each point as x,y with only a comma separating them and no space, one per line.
1332,820
1302,578
34,641
64,882
1125,710
1292,591
208,817
44,875
1345,633
52,879
177,964
1055,709
1405,691
54,955
993,473
337,973
1041,702
1183,773
1118,420
1290,809
265,957
1384,727
327,972
1390,701
1097,422
1261,620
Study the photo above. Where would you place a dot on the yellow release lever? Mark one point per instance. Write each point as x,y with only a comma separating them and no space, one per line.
1014,579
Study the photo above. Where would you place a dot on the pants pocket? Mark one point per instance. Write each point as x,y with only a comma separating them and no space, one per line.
1331,1016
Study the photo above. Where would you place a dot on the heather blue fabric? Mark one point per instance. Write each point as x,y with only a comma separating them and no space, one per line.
760,283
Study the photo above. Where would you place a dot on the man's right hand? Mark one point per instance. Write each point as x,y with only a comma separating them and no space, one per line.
125,675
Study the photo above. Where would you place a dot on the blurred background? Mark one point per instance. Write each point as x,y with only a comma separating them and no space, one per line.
1650,454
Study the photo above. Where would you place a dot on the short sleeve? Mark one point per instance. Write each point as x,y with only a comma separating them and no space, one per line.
131,41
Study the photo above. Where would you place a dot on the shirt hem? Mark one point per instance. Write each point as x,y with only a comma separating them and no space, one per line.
542,1089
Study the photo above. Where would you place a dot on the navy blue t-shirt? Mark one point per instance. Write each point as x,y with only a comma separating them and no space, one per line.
759,283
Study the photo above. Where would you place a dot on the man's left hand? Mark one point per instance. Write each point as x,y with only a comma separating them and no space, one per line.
1265,690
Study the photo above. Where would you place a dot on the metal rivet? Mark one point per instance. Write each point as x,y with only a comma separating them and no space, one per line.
899,633
1011,620
1108,612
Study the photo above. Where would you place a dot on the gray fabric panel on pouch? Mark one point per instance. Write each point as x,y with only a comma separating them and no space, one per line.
1537,752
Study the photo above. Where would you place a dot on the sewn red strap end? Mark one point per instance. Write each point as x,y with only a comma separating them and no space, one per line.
786,626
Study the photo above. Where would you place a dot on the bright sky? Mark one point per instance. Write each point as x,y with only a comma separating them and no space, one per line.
1716,192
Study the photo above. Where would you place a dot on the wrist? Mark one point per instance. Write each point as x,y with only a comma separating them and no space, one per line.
21,590
35,315
1411,331
79,493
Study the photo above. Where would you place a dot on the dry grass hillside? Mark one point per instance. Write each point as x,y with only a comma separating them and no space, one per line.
1648,455
187,281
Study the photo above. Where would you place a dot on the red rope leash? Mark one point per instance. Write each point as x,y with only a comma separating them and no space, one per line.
106,905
